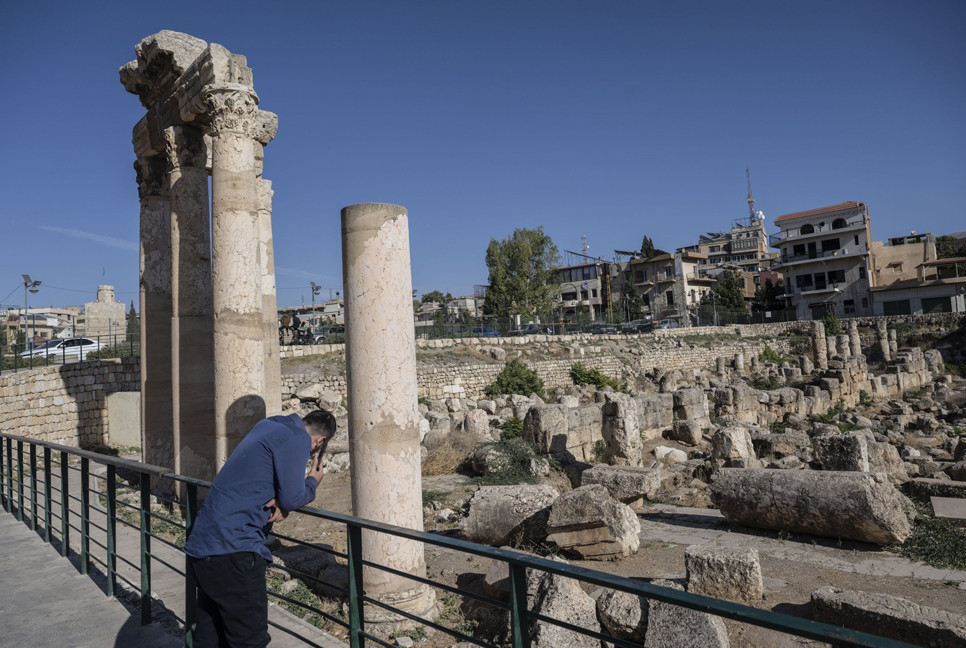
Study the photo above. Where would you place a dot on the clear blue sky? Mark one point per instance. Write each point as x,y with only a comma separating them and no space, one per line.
610,119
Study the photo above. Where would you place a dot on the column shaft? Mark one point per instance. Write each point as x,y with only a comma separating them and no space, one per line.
273,355
236,271
383,409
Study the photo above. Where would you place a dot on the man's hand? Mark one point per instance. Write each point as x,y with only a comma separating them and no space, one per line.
277,513
317,469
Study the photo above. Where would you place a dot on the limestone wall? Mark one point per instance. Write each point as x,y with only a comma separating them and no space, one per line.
65,404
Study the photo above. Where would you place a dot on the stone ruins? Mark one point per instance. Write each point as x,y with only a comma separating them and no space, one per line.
210,357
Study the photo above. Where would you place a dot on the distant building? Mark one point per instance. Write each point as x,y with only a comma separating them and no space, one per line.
826,260
743,247
585,288
910,280
671,285
105,318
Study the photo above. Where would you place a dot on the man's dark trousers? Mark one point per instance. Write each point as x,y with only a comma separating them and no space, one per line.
232,603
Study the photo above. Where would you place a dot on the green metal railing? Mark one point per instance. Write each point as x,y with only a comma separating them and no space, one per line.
15,481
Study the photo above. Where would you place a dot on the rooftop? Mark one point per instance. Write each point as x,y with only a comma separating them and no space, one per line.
845,206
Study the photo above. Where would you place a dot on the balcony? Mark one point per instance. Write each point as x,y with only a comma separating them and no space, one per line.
851,251
696,276
792,236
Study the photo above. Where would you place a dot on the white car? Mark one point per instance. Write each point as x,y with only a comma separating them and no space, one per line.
72,347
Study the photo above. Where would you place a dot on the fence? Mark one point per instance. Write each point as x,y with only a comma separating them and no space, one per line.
14,357
33,472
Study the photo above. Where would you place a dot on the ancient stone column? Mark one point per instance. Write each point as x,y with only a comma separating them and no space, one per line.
266,254
755,362
155,298
740,363
855,342
720,364
882,333
236,269
893,344
819,348
842,345
383,409
831,345
192,359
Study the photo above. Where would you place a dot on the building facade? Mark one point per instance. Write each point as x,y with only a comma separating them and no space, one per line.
825,258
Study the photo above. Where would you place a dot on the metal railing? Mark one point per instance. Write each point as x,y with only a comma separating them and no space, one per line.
15,357
23,476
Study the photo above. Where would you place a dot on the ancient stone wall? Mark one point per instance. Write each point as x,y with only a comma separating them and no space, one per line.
64,404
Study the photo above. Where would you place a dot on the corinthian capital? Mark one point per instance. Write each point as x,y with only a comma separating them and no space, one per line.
184,146
150,175
231,108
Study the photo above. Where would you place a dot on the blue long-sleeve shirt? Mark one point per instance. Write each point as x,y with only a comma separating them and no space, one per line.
268,464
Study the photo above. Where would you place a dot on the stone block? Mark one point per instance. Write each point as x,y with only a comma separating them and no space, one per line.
508,515
732,446
590,523
623,615
627,484
889,616
731,573
847,451
950,508
688,432
673,626
124,419
620,430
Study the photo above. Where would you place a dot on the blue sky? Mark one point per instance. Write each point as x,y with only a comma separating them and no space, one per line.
610,119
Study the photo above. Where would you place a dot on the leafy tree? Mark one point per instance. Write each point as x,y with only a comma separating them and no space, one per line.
832,324
467,319
21,338
516,378
948,247
727,294
767,296
647,247
133,326
3,333
629,301
522,274
436,296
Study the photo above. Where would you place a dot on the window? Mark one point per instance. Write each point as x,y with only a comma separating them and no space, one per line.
836,276
936,305
669,297
856,239
798,250
593,293
862,272
668,272
803,281
898,307
807,229
839,223
849,306
865,302
820,281
829,245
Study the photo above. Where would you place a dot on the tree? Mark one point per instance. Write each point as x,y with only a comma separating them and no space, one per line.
948,247
439,323
767,297
436,296
133,326
522,274
727,294
629,301
647,247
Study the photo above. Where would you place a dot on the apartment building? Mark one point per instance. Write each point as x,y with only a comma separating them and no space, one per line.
910,279
744,246
825,257
671,285
585,288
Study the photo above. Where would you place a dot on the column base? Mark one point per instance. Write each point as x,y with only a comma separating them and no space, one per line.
419,601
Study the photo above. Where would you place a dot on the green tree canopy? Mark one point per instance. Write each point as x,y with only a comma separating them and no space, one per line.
436,296
647,247
522,274
948,247
629,301
727,293
133,326
767,296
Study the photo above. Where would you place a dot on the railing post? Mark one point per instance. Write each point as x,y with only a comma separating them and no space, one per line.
5,478
47,482
64,504
145,532
520,634
357,623
33,487
85,512
111,529
19,480
190,595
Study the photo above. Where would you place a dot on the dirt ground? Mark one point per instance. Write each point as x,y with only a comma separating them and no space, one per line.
788,582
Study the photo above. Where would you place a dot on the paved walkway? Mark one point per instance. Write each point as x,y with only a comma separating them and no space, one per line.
45,601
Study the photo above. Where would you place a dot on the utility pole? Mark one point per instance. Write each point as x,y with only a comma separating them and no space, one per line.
315,291
28,285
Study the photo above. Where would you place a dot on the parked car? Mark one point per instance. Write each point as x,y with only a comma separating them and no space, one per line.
532,329
603,329
637,326
329,334
667,324
484,331
71,347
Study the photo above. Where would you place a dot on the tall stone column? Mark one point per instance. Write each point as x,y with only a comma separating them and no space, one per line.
266,254
155,298
383,409
819,344
239,356
882,333
855,342
192,360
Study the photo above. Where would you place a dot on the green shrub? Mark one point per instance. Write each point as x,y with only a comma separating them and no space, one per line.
936,541
770,355
832,324
865,399
777,427
516,378
582,375
512,428
514,465
766,382
829,416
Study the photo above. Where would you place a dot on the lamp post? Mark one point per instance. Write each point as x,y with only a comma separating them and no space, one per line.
31,286
315,291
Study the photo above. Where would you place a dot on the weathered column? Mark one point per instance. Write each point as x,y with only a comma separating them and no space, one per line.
893,344
819,348
192,359
266,255
855,342
842,345
720,365
236,270
155,298
882,333
831,346
383,409
740,363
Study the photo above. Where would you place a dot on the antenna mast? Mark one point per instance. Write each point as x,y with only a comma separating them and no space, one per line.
751,198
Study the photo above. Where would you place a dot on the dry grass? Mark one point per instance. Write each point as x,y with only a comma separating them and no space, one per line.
446,458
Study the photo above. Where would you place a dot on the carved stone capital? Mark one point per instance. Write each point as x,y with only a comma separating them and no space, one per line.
232,108
184,147
151,176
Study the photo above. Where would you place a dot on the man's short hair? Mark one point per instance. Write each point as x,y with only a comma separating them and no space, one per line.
320,423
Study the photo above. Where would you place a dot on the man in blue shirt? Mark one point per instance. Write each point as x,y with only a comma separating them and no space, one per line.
226,554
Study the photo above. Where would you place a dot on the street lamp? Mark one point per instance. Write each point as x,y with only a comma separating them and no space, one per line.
315,291
28,285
